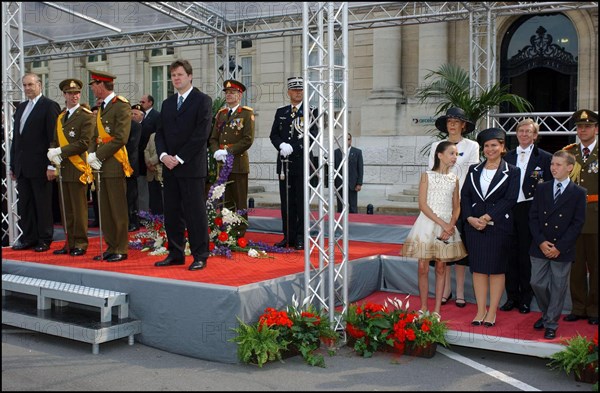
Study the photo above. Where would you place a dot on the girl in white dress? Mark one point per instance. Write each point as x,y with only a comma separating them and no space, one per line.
434,235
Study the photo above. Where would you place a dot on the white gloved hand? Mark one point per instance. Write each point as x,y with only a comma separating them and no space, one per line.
94,161
285,149
56,160
220,155
54,155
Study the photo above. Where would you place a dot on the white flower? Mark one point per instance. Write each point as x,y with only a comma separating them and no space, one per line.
217,192
230,217
253,253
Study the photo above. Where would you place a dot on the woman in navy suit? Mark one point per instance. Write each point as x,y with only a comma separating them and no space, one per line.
487,198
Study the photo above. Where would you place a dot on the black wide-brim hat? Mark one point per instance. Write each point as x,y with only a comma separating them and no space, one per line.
454,113
489,134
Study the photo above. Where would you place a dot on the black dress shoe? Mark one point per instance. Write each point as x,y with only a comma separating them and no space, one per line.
283,243
42,247
539,324
18,246
116,258
77,252
524,309
573,318
170,261
105,255
61,251
593,320
198,265
299,245
133,228
549,334
509,305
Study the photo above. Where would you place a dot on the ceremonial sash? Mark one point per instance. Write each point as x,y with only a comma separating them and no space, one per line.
121,154
76,160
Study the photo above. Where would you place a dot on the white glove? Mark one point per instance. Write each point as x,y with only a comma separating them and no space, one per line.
220,155
94,161
285,149
54,155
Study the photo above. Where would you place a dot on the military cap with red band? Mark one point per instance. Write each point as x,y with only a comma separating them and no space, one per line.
233,84
101,76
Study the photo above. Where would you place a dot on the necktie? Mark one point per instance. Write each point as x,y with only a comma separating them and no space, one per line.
522,156
25,115
102,106
586,153
67,116
557,193
179,102
230,112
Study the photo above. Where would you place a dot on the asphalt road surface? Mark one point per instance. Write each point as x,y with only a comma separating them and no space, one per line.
34,361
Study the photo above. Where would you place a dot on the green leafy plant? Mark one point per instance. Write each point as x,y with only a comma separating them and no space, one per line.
293,330
580,352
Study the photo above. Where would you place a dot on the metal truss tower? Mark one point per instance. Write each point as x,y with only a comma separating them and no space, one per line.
325,39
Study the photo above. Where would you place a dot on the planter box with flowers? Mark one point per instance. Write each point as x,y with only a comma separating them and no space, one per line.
388,327
579,356
282,333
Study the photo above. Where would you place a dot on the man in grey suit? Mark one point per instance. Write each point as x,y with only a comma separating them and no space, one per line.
355,176
33,130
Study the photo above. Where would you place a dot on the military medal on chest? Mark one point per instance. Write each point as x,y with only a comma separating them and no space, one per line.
72,133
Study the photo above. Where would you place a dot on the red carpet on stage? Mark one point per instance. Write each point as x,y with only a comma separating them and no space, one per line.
237,271
509,324
355,218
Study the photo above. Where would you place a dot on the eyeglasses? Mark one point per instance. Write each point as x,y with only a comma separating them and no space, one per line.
524,132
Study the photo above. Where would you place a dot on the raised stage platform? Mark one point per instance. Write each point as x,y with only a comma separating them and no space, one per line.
192,313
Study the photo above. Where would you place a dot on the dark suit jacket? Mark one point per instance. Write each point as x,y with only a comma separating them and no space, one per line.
559,223
148,128
28,150
290,130
185,133
537,171
355,167
498,202
133,146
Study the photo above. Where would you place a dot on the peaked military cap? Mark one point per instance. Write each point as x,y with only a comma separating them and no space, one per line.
138,107
70,85
489,134
454,113
585,116
295,83
101,76
233,84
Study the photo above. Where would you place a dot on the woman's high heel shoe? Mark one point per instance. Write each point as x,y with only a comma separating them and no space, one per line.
490,323
445,300
478,322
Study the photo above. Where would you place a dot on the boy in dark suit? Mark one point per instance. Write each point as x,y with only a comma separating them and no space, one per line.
355,176
556,217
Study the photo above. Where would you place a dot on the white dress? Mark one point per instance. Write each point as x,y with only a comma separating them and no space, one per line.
421,242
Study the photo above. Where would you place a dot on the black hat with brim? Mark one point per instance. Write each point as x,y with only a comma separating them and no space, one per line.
489,134
454,113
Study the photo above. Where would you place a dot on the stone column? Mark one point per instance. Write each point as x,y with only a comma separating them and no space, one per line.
433,48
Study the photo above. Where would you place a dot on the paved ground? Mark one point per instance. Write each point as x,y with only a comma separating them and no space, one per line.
37,362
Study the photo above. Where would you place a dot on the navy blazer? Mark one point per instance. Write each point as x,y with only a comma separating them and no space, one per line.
355,167
499,200
28,151
184,133
559,223
537,171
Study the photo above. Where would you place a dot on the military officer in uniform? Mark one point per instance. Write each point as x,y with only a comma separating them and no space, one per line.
68,152
584,293
233,133
109,157
287,135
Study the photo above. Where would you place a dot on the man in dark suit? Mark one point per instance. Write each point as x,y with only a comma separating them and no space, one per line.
556,217
233,133
68,151
113,125
149,123
287,135
535,168
34,123
355,176
133,153
584,290
181,145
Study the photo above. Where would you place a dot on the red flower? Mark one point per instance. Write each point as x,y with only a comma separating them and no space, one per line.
354,332
223,236
166,245
242,242
211,246
218,221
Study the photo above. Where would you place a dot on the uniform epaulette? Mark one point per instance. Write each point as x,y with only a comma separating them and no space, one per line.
223,109
121,98
86,110
283,106
248,108
569,147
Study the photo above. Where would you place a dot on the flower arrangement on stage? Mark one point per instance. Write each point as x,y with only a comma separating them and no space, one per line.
375,327
579,356
278,333
154,238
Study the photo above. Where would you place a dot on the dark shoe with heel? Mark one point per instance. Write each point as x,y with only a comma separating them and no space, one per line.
18,246
61,251
170,261
550,334
283,243
509,305
573,317
445,299
77,252
198,264
105,255
42,247
524,308
478,322
539,324
116,258
460,302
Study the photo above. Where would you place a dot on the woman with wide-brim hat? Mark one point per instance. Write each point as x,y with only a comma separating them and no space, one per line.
487,198
456,124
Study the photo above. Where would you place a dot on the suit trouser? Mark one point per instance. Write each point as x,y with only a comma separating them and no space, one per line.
113,208
518,273
352,202
132,200
584,288
294,210
155,196
76,214
35,208
549,281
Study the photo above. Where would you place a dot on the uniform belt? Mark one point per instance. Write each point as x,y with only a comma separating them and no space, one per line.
592,198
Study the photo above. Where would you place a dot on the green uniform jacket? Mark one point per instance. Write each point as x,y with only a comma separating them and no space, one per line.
79,131
587,177
235,134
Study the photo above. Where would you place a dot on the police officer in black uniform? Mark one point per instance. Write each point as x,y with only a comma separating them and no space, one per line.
287,136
